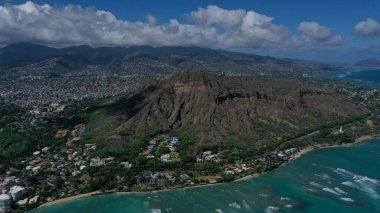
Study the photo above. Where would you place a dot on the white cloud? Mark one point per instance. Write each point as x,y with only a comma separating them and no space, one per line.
367,28
312,33
216,15
242,28
76,25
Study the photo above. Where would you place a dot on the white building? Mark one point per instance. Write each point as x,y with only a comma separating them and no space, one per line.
22,203
17,193
96,162
8,183
34,200
165,157
45,149
36,153
126,165
5,203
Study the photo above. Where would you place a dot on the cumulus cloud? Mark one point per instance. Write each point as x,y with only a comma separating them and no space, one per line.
368,28
216,15
314,34
71,24
76,25
241,28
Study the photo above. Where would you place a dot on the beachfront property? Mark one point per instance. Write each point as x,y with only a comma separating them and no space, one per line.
10,193
17,193
5,203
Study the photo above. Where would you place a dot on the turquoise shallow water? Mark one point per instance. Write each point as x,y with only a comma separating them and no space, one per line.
329,180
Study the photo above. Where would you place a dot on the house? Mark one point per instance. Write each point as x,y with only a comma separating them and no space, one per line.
170,178
74,133
79,126
153,181
173,140
184,177
126,165
74,140
165,157
45,149
109,159
22,203
36,169
75,173
17,193
236,170
210,157
95,162
229,172
161,183
153,142
9,183
149,157
281,154
5,203
33,200
336,131
207,153
62,133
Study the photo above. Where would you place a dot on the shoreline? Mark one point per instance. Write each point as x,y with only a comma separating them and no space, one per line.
302,151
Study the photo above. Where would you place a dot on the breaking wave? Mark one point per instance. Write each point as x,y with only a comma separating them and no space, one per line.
323,176
347,199
340,191
234,205
332,191
246,206
370,190
271,209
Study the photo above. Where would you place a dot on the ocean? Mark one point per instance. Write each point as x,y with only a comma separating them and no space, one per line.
368,78
342,179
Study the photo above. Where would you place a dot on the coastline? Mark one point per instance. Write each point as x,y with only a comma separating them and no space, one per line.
69,198
301,152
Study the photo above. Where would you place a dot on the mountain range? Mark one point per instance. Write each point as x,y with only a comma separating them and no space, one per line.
150,60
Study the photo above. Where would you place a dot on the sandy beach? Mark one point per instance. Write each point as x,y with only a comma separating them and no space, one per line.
70,198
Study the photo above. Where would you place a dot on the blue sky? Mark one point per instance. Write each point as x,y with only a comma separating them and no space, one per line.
327,34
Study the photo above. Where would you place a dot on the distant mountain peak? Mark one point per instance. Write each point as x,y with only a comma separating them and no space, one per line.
371,62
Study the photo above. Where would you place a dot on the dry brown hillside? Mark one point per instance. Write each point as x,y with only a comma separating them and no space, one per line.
241,109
